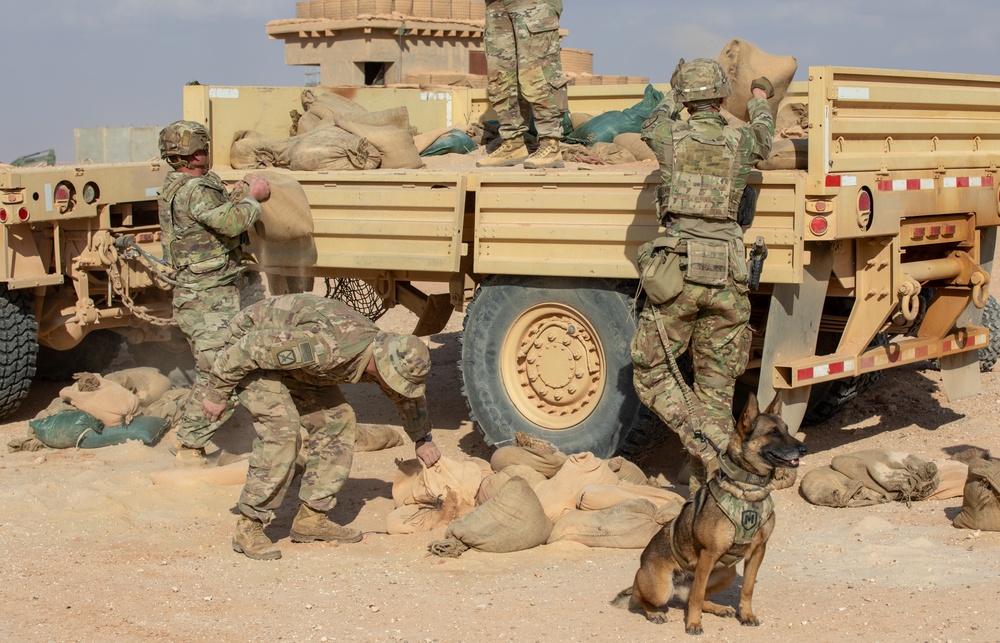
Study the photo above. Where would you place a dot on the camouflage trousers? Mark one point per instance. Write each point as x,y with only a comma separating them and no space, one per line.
283,409
525,77
711,324
204,316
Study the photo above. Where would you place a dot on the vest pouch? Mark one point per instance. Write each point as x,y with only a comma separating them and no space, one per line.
660,269
708,262
208,265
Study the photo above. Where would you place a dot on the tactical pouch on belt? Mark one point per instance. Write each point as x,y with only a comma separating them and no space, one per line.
660,271
708,262
748,207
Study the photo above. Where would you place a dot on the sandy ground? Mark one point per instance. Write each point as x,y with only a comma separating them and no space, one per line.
92,550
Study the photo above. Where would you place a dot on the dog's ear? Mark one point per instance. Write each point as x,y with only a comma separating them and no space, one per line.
750,411
774,408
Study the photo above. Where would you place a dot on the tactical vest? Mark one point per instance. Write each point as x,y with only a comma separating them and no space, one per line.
186,242
705,168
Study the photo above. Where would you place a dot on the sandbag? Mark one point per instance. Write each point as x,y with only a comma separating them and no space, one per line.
540,459
454,142
743,62
651,97
251,150
107,401
900,476
376,437
787,154
330,148
147,382
416,484
605,127
394,143
494,481
63,430
412,519
320,110
170,406
828,488
561,492
632,141
981,499
953,475
146,429
285,215
627,471
596,497
512,520
577,119
627,525
792,115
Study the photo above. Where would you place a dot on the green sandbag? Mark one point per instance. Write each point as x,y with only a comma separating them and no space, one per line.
454,142
62,430
603,128
651,98
146,429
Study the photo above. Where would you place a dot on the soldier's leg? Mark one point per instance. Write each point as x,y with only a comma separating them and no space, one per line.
272,462
501,68
204,317
539,67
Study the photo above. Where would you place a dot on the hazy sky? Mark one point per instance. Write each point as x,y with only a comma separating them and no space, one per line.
94,63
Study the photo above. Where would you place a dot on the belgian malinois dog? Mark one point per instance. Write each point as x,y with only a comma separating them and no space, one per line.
729,519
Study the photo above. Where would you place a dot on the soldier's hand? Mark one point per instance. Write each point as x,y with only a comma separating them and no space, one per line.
764,86
260,189
677,71
428,453
213,410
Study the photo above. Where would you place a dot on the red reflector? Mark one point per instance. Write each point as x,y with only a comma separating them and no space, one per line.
819,226
3,215
935,231
61,193
864,201
950,230
833,180
22,214
918,233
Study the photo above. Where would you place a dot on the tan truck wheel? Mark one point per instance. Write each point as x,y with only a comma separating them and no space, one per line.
550,357
18,348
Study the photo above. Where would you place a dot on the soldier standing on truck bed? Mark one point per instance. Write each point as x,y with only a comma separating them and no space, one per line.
525,80
286,356
202,236
703,164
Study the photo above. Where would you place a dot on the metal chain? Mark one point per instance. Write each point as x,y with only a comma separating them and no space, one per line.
116,284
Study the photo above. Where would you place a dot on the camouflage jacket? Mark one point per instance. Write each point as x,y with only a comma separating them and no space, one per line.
313,339
745,146
203,229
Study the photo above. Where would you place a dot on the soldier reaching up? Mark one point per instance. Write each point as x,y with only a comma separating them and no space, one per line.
286,357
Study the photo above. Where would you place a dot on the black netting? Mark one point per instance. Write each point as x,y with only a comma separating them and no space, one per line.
358,294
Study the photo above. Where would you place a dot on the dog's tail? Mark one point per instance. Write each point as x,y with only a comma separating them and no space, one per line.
623,599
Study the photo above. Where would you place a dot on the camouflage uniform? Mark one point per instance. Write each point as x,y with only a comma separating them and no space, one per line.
286,356
525,70
703,163
202,234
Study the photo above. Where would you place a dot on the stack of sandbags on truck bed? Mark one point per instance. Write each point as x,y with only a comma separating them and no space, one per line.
536,494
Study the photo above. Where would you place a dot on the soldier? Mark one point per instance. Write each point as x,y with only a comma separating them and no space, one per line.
525,80
704,163
202,235
286,357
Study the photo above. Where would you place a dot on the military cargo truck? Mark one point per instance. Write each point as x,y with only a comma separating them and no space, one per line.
878,253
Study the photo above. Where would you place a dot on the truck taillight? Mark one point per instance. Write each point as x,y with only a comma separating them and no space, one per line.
819,225
864,209
22,214
3,215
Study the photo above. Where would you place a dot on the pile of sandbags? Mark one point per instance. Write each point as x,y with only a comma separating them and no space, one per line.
532,494
870,477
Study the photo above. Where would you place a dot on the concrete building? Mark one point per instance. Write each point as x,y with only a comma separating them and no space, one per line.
116,144
403,42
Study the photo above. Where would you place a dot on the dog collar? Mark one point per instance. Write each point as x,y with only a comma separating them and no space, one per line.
737,474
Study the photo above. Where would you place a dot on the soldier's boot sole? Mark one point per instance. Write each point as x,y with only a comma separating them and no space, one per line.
268,555
350,536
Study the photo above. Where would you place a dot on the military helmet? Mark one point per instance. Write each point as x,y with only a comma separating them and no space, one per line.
183,138
403,361
702,79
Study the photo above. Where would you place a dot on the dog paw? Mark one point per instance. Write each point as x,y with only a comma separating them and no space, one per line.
726,612
750,620
656,617
694,628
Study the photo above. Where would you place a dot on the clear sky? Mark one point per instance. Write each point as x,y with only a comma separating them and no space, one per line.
96,63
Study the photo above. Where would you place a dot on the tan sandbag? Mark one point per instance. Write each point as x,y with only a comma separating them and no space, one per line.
561,492
512,520
627,471
901,476
330,148
392,117
111,403
147,382
630,524
321,107
596,496
541,460
579,118
828,488
394,143
251,150
376,437
416,484
494,481
57,405
285,214
791,115
230,474
953,475
981,501
787,154
743,62
412,519
170,406
632,141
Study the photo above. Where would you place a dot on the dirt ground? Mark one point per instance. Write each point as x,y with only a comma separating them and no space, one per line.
92,550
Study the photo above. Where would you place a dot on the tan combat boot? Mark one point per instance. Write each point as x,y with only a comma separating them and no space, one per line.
250,540
548,154
310,525
185,456
506,154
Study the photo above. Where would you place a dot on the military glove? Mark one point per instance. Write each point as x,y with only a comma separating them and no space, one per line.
764,84
677,71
